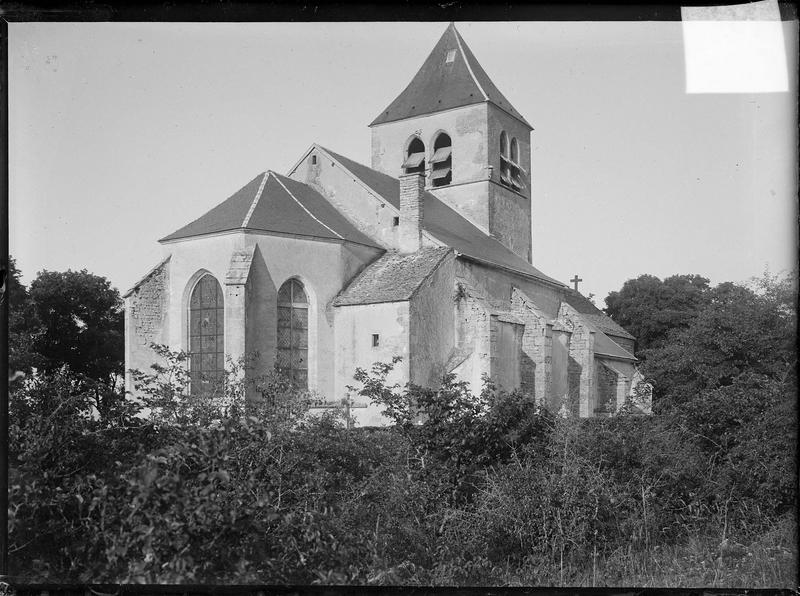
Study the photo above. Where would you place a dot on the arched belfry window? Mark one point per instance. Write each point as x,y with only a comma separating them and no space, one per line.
206,333
415,157
293,332
510,169
442,161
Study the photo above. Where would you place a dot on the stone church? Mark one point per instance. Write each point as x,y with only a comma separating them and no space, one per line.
425,254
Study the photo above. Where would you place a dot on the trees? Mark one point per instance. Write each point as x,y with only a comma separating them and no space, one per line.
23,325
82,324
649,308
737,330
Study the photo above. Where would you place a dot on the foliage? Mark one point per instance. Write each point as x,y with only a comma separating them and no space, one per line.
242,484
649,308
23,325
82,324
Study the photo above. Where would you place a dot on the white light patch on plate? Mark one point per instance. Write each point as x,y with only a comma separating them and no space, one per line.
734,49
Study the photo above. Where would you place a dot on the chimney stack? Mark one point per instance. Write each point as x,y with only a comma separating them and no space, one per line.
412,190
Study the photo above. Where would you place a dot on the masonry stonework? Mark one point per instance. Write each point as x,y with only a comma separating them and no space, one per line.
581,362
148,305
412,187
146,319
535,363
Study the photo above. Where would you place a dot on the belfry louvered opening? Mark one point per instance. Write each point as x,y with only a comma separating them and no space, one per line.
442,161
511,173
415,157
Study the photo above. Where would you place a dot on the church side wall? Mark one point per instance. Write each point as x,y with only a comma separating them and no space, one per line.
432,326
505,349
189,260
496,285
606,383
323,268
146,321
355,327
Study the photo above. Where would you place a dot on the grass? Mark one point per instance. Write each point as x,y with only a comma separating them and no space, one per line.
768,560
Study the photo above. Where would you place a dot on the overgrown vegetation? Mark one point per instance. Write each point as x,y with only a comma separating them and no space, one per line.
462,489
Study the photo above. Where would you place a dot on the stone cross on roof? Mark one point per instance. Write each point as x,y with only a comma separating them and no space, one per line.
575,281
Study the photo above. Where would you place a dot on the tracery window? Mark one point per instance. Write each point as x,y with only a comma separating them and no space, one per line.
415,157
293,332
206,334
442,161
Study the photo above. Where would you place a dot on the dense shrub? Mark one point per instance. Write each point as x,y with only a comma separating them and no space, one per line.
462,489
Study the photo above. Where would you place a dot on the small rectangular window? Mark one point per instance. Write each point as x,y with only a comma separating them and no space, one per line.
376,340
313,160
451,56
395,221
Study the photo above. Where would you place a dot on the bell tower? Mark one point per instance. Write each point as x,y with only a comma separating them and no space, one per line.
453,125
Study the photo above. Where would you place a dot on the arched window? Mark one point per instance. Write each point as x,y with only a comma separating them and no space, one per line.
415,157
293,332
442,161
206,334
510,170
505,166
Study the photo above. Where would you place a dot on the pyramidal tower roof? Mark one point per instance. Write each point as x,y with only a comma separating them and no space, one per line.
450,78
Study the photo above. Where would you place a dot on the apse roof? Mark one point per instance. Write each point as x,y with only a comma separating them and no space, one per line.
450,77
271,202
444,223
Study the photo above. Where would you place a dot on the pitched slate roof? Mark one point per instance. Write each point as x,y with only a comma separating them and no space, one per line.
271,202
444,223
605,346
594,315
442,85
393,277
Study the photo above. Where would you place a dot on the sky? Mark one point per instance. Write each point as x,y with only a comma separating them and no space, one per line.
121,133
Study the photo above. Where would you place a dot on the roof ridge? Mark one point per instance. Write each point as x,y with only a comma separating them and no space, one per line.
255,200
466,61
303,207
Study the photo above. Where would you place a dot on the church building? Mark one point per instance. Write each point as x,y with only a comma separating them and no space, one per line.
425,253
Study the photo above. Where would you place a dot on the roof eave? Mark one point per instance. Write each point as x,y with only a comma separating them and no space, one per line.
555,284
519,118
406,299
618,357
167,240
